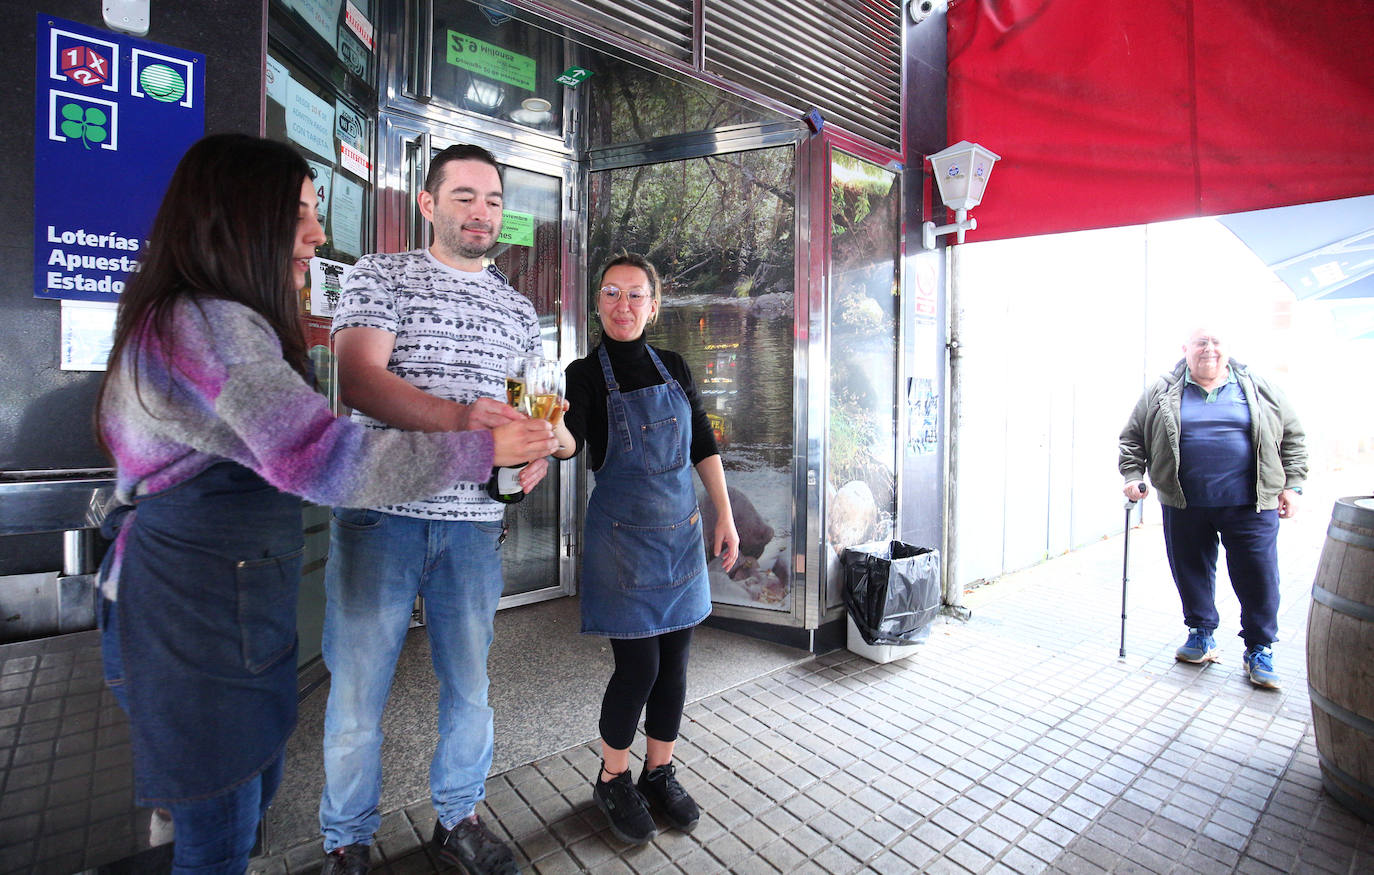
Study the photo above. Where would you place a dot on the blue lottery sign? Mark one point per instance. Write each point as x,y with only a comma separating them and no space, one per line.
113,114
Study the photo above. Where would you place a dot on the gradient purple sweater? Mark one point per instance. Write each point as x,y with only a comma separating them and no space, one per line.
219,389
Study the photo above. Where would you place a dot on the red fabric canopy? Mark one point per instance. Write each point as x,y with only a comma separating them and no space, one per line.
1110,113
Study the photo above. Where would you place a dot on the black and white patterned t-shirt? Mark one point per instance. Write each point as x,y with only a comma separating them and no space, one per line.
454,332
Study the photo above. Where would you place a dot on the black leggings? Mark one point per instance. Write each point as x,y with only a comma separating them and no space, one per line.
650,677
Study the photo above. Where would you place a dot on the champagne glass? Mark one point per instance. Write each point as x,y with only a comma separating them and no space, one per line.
543,395
517,374
521,370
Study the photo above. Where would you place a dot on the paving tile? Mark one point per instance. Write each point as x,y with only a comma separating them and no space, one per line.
916,853
806,840
782,855
1251,866
1022,862
1047,840
1070,820
1198,862
934,835
1073,864
987,842
859,845
1019,814
969,857
1189,820
1280,856
1323,858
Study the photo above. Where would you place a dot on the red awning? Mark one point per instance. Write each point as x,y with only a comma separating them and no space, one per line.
1112,113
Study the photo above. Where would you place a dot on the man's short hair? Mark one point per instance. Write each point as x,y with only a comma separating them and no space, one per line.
458,152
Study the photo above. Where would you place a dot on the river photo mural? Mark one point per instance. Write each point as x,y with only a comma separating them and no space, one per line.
720,230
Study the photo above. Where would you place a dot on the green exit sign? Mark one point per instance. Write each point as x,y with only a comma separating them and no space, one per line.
574,76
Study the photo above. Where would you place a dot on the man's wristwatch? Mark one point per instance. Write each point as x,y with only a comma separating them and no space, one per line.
1297,489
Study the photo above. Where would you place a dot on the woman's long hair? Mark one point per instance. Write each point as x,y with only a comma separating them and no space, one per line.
226,229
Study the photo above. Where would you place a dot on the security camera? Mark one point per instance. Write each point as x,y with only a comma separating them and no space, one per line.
920,10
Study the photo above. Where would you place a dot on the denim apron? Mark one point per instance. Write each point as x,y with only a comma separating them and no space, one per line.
643,559
200,643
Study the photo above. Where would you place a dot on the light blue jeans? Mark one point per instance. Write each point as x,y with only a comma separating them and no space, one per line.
378,563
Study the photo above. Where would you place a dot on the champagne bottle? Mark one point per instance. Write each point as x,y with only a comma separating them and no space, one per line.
504,485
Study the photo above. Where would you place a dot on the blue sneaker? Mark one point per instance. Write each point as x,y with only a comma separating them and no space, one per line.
1259,664
1200,647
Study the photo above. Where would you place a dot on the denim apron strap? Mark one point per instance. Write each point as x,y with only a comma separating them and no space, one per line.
643,558
205,621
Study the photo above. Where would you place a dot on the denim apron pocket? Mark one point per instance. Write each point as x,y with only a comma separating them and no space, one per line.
676,548
267,609
661,444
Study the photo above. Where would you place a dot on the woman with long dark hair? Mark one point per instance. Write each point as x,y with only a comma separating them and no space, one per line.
215,434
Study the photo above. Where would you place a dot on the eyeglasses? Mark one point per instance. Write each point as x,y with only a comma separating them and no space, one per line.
637,297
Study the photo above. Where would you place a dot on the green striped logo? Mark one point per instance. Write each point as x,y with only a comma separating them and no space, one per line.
161,82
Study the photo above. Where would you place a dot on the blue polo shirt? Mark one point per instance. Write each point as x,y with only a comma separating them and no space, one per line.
1216,465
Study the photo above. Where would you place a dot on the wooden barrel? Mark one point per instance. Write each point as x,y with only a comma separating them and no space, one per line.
1340,656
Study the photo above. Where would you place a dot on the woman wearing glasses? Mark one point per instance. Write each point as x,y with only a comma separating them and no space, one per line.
644,585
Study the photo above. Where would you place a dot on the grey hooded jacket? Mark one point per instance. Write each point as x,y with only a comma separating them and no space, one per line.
1150,439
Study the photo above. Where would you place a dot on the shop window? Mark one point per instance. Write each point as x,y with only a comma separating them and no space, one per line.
486,62
865,202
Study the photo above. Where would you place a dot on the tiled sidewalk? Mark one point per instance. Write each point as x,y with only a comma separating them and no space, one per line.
1017,741
65,764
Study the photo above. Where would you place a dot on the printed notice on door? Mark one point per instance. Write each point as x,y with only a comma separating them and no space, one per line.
491,61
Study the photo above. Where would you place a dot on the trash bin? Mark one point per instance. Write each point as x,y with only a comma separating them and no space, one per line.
892,591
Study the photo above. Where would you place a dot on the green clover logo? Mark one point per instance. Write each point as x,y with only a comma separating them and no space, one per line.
84,122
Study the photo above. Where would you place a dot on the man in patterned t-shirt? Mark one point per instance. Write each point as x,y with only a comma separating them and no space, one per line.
422,338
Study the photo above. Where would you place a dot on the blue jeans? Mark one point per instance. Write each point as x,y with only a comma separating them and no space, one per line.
378,563
1191,536
215,836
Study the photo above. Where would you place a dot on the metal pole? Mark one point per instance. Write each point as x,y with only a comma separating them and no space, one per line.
954,590
1126,565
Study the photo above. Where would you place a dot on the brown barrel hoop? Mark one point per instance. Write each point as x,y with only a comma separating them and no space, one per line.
1349,790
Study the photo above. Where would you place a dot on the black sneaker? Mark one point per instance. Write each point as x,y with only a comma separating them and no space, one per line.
348,860
625,808
661,788
473,848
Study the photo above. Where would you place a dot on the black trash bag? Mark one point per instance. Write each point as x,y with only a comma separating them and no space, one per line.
892,590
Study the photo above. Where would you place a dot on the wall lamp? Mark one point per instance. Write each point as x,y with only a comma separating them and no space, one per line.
961,172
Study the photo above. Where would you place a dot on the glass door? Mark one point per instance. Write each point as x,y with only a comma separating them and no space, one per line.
862,281
720,229
321,97
533,251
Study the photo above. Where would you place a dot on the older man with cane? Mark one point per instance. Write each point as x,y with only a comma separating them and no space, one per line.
1228,458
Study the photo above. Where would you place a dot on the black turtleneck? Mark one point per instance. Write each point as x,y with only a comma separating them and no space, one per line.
587,395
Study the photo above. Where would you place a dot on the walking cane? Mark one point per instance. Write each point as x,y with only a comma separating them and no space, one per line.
1125,565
